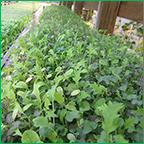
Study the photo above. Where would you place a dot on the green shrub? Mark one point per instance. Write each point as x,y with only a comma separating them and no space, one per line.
68,84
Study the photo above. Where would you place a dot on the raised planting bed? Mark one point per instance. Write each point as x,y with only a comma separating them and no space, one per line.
10,30
69,84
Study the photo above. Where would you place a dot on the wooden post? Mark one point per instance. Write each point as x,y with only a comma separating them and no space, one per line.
107,14
60,3
78,7
73,6
64,3
69,4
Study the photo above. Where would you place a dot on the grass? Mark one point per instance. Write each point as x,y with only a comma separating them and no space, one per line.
18,10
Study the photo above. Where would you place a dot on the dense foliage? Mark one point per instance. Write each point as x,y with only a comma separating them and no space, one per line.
68,84
10,30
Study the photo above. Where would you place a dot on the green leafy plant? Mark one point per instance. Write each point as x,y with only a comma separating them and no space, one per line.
69,84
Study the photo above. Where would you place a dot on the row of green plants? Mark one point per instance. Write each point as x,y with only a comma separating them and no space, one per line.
10,30
68,84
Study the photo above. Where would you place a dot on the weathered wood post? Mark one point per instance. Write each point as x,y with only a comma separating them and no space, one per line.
69,4
78,7
107,14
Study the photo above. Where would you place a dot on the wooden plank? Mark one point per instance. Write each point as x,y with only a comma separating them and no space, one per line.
132,10
93,5
107,15
78,7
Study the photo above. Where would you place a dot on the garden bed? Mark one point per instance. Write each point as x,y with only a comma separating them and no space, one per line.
10,30
69,84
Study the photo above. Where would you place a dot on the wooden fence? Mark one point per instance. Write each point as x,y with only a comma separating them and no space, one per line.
109,10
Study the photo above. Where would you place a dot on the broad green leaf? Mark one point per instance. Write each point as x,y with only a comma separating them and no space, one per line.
75,92
77,77
38,71
131,96
36,92
41,83
109,113
62,114
103,62
125,61
30,136
21,84
87,127
139,135
64,131
58,69
118,122
27,106
84,71
117,70
52,90
51,51
115,61
48,76
120,139
15,111
20,93
70,87
40,121
70,107
94,124
71,115
49,133
59,98
102,138
103,53
71,137
139,111
60,90
130,122
47,103
11,95
69,72
84,106
123,88
126,73
98,103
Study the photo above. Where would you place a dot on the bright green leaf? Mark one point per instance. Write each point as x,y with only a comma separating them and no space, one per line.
84,106
40,121
27,106
71,137
75,92
120,139
70,107
21,84
71,115
62,114
30,136
36,92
